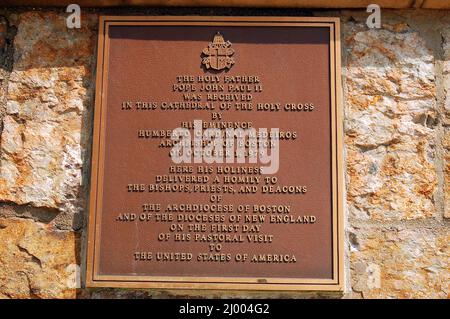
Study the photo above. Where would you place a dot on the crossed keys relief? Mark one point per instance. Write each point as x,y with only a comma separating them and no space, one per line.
218,54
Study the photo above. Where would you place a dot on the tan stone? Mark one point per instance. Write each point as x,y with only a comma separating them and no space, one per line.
446,119
49,105
399,262
390,101
446,143
34,259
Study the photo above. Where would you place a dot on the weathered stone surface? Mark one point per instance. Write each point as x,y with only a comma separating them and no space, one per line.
35,260
446,118
390,113
446,144
447,172
399,262
44,139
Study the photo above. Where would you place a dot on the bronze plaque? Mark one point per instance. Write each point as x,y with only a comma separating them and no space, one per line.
216,158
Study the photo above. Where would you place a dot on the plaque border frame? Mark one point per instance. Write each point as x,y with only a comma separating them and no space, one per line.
93,279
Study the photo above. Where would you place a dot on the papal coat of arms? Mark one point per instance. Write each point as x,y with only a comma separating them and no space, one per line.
218,54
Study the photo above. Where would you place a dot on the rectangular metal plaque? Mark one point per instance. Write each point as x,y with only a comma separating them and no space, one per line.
217,154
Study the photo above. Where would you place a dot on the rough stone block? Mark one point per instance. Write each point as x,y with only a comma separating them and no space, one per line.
45,138
37,261
400,262
390,116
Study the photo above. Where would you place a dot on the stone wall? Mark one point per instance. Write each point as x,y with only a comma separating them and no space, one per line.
396,83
